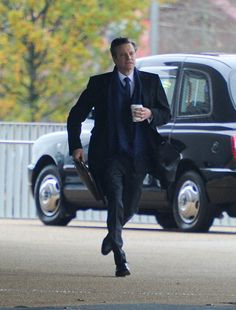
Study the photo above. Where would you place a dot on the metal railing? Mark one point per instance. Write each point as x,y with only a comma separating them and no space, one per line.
15,198
16,140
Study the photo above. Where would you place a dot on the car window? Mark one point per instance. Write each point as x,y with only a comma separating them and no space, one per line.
232,83
167,75
195,94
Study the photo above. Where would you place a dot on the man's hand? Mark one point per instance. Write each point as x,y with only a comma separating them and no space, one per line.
143,113
78,155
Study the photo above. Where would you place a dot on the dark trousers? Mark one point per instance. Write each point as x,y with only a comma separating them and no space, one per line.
124,188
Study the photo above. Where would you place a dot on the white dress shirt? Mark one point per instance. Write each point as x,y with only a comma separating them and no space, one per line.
131,77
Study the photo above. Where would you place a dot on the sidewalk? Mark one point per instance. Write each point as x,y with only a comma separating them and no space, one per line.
133,307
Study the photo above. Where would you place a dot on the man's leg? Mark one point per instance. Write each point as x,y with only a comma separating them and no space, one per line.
114,179
124,188
132,193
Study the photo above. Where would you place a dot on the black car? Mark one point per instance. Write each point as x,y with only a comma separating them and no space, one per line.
201,90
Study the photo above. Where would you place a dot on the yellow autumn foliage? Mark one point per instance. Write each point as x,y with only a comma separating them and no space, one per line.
48,49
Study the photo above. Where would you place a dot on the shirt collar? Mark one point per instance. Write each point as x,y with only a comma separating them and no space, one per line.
122,76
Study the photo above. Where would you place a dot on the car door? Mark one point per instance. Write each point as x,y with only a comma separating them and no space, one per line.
153,194
193,114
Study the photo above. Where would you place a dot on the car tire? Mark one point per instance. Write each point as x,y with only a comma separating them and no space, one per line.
166,220
50,204
191,209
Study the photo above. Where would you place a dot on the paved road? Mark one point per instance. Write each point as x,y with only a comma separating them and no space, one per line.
44,266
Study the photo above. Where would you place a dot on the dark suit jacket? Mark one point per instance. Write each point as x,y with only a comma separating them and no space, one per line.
96,96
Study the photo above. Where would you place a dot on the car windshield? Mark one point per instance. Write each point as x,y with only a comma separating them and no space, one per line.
167,75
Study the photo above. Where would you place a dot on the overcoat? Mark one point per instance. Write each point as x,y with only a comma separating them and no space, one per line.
96,96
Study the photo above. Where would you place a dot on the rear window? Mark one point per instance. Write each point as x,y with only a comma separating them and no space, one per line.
195,94
167,75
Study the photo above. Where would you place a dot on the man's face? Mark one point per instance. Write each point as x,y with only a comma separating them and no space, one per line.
124,58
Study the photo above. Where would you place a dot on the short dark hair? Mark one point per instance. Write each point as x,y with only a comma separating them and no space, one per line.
119,41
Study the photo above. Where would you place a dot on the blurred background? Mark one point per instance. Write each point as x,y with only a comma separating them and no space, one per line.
49,48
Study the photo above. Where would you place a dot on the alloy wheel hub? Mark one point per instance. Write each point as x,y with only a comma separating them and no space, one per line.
188,202
49,195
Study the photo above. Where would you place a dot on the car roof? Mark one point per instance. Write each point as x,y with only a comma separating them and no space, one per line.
171,59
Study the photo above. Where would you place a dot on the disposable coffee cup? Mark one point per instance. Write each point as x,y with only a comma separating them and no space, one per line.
134,108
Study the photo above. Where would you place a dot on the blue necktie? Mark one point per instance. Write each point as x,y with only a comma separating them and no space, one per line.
129,123
127,86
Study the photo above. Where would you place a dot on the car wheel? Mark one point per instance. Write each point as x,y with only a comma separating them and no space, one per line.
50,204
191,209
166,220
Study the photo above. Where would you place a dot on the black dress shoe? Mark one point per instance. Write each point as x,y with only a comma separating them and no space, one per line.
106,246
122,270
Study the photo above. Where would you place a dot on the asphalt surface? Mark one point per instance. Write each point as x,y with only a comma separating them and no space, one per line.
45,267
135,307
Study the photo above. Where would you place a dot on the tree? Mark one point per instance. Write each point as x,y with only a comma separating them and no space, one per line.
48,48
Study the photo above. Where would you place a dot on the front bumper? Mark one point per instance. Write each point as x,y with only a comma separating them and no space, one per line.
30,175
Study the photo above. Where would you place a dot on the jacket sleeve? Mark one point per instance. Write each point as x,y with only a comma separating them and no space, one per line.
77,115
155,99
